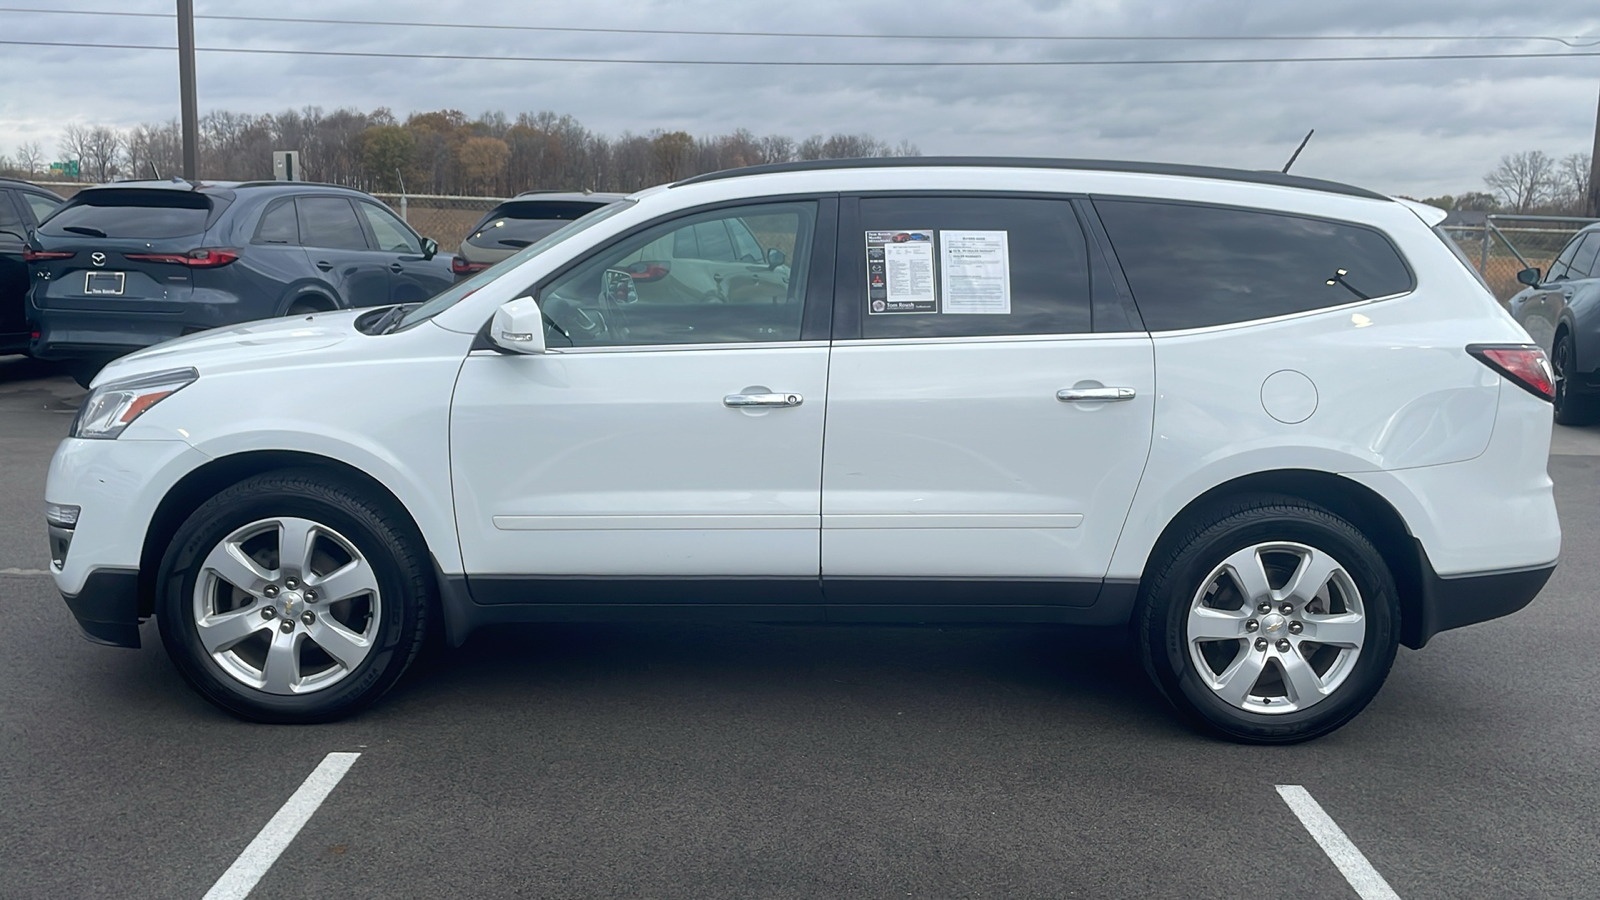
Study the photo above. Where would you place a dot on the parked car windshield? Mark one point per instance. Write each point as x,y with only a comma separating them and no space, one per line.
131,214
454,294
517,224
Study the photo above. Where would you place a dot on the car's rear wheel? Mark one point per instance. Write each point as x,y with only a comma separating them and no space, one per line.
292,597
1573,406
1271,621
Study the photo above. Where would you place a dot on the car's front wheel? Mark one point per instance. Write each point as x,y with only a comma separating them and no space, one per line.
293,597
1270,621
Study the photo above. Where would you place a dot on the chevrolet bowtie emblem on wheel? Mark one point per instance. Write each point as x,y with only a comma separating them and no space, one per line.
97,258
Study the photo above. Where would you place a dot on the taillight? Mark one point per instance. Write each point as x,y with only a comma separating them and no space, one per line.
206,258
1525,364
461,266
31,255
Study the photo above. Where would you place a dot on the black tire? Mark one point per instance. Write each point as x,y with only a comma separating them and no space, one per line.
386,541
1573,406
1176,582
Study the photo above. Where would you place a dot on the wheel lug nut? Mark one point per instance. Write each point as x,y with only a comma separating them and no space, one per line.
1264,607
308,617
1283,645
287,626
1261,643
1251,625
311,596
268,612
270,590
1296,628
291,583
1286,608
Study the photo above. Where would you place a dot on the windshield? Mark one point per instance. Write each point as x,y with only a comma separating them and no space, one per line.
520,223
453,295
131,213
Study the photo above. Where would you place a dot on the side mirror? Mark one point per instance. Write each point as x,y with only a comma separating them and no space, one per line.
430,248
775,258
518,327
1529,276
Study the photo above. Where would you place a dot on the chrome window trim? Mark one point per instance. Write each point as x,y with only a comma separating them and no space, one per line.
667,348
1322,310
993,338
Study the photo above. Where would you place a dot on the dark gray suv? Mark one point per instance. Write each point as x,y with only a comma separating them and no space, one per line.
132,264
22,207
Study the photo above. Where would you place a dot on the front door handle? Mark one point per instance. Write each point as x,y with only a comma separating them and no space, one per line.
746,401
1094,395
396,268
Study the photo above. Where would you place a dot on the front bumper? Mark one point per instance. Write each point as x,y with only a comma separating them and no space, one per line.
107,607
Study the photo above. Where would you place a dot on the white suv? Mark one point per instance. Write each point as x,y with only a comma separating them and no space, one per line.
1272,424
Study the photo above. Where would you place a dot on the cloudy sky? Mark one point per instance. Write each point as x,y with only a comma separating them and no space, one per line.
1415,127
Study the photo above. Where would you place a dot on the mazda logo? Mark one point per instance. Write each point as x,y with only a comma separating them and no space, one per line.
97,258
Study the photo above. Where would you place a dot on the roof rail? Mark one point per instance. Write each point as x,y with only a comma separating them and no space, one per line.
1277,179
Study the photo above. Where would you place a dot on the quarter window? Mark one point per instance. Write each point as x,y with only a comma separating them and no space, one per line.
1558,269
678,283
278,225
42,206
972,266
1191,266
330,223
10,219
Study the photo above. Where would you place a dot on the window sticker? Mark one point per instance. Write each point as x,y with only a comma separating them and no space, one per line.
900,275
975,272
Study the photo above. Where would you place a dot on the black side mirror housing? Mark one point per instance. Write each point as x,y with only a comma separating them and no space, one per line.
430,248
775,258
1529,276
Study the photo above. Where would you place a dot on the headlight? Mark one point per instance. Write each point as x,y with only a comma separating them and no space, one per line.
113,406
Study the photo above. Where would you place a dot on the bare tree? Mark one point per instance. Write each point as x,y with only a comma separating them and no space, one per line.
103,153
1572,183
30,156
74,144
1523,180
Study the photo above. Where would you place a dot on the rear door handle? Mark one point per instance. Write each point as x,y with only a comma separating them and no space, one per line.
1094,395
325,266
746,401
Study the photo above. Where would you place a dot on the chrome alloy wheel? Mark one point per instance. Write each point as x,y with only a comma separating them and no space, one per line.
286,606
1275,628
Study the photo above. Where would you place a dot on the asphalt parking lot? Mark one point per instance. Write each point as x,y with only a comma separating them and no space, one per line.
785,761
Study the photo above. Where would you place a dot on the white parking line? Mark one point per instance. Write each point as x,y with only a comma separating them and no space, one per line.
1352,865
241,877
13,570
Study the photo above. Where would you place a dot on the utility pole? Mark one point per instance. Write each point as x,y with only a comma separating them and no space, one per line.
1593,200
191,112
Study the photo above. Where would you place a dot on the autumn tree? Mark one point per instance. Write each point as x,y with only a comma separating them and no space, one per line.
387,152
483,160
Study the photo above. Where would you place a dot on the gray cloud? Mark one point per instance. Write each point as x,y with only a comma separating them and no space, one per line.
1413,127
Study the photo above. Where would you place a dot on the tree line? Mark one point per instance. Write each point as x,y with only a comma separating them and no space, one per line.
1530,183
441,152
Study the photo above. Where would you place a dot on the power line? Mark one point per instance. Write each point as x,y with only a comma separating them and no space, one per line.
1036,63
1570,40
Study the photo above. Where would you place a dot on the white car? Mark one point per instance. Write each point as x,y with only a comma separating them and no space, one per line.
1272,424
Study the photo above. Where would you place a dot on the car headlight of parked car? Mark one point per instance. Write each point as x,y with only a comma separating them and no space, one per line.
113,406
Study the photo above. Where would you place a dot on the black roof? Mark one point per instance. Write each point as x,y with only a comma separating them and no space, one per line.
218,187
23,183
1278,179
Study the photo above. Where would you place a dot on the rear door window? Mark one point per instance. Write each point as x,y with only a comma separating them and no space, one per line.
1191,266
121,213
11,219
972,266
330,223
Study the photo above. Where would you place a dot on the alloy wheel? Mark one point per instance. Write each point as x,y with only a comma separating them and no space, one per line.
1275,627
286,606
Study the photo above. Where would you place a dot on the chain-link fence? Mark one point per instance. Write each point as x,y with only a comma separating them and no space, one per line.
1506,244
445,219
